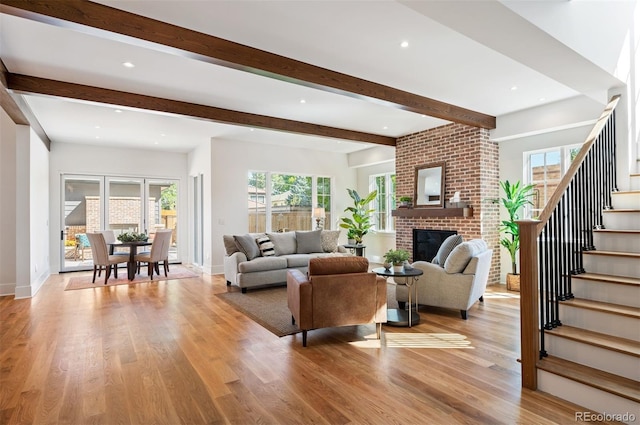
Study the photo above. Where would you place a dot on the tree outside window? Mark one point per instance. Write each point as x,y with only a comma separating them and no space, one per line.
289,199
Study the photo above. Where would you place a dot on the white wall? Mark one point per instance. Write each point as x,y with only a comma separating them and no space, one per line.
559,124
68,158
231,162
39,213
7,204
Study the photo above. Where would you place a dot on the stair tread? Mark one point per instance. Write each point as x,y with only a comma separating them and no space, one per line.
625,192
621,345
614,384
616,231
618,309
608,278
613,253
620,210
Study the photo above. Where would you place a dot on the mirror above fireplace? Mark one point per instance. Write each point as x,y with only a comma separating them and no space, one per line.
429,185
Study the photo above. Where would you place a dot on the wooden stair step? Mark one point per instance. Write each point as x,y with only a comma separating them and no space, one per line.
614,384
620,280
614,343
620,310
630,232
613,253
620,210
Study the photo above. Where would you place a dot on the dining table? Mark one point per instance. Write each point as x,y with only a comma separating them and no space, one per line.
133,251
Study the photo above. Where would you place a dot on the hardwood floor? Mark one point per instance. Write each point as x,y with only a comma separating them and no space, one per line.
171,352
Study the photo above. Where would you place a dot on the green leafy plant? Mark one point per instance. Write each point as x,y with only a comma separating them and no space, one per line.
133,237
515,197
406,199
396,256
359,223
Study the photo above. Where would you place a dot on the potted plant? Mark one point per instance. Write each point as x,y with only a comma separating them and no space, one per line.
397,257
359,223
406,202
516,196
351,237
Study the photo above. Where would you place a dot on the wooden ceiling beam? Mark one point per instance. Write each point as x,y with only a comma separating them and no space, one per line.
18,110
26,84
108,22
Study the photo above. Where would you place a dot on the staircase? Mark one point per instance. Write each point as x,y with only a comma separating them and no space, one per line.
594,357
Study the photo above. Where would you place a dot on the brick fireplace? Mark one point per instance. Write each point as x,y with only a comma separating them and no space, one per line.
471,167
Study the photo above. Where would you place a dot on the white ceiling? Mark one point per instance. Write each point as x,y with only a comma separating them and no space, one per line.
466,53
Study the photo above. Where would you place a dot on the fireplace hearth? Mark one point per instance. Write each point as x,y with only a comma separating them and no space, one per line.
426,243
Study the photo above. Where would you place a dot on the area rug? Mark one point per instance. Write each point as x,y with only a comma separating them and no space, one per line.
268,307
84,281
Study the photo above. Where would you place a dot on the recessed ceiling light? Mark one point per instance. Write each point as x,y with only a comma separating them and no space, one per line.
155,143
162,134
423,116
303,101
385,127
514,88
97,137
251,129
97,126
118,111
404,44
128,65
542,99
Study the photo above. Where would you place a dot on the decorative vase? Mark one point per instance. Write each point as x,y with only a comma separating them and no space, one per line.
387,266
398,268
351,241
513,282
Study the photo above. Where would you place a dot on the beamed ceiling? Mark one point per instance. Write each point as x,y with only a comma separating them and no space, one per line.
317,74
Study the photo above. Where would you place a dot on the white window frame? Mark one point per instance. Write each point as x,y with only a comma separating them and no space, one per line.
390,197
314,196
565,162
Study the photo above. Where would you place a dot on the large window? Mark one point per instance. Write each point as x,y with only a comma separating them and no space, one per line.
544,170
282,202
385,201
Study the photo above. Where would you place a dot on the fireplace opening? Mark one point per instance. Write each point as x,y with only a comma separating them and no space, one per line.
426,243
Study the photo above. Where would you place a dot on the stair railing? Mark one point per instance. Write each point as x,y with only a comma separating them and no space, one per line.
551,246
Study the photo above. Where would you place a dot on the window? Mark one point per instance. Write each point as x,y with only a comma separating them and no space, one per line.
284,202
385,201
544,170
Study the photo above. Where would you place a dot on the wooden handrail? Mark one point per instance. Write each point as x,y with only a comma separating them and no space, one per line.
529,232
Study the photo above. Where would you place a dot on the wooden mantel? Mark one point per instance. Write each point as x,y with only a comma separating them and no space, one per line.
432,212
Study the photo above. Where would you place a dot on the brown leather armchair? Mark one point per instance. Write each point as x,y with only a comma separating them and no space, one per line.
339,291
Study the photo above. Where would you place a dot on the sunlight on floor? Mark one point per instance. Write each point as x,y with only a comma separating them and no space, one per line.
426,340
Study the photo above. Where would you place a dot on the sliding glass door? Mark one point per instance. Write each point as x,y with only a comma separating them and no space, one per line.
121,204
82,212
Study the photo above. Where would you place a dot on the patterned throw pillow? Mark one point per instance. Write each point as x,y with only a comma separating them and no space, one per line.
330,240
445,249
265,246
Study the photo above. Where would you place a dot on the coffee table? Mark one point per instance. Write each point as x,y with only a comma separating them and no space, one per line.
396,316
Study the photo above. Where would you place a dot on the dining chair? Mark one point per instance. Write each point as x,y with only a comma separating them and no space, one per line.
101,257
110,237
159,252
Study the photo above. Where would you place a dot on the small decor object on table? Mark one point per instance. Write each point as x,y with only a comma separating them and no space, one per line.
133,237
397,257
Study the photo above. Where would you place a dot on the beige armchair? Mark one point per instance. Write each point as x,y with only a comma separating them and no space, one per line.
339,291
458,284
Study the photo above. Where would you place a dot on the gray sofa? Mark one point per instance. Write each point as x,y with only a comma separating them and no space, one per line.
456,279
262,259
